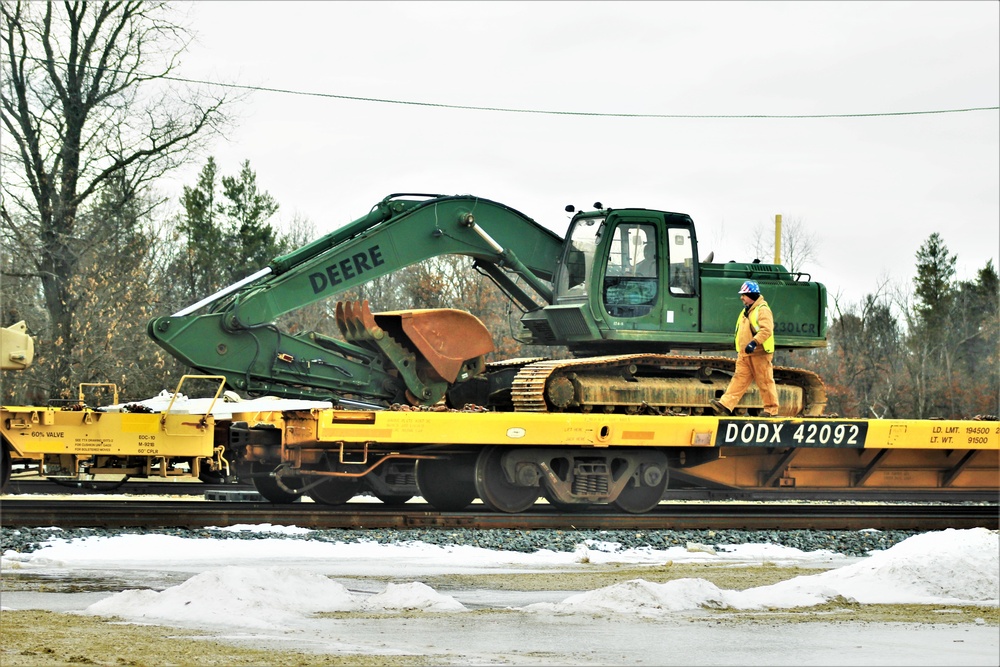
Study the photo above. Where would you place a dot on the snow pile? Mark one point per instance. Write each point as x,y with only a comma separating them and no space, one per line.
414,596
639,596
262,598
254,597
947,567
261,528
172,553
168,552
269,581
959,567
222,408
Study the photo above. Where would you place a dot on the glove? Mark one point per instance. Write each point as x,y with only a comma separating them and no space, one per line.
751,346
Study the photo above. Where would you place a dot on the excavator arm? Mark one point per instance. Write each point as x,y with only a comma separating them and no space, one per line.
385,357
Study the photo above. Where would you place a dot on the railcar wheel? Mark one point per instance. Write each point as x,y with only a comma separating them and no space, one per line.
641,499
268,486
334,490
496,492
448,484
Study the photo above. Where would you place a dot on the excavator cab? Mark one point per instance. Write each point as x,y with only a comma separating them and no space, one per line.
631,279
628,272
623,267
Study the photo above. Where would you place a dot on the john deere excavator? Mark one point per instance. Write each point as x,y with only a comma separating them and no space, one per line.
625,292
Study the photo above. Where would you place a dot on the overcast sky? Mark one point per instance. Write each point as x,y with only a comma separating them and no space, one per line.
868,190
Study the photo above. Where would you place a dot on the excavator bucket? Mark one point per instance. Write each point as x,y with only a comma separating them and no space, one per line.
444,338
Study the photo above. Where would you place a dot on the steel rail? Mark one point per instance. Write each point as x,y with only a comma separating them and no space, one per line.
79,513
196,488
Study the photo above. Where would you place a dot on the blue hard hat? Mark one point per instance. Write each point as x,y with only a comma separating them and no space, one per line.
750,287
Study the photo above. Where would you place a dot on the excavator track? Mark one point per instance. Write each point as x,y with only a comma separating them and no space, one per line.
812,385
659,383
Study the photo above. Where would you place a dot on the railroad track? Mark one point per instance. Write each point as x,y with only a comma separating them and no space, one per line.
195,488
131,487
31,512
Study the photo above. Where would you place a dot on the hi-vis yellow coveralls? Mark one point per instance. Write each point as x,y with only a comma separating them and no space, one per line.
757,325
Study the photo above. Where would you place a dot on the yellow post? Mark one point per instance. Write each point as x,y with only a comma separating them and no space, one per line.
777,239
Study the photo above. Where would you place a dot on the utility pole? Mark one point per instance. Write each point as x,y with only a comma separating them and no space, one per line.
777,239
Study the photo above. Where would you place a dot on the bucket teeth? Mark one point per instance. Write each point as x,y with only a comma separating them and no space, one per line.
356,322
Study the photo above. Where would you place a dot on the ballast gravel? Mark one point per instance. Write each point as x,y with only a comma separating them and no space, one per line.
846,542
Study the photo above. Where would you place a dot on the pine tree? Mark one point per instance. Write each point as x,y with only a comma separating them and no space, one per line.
225,231
249,210
205,251
933,283
974,333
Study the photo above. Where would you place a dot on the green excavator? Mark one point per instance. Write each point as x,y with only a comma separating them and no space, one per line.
625,292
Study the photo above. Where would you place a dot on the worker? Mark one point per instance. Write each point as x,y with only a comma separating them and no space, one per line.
646,267
755,353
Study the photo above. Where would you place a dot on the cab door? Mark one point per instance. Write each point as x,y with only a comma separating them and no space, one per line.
681,299
650,277
631,290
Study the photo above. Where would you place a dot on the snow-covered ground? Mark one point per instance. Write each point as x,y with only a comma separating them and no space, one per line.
267,591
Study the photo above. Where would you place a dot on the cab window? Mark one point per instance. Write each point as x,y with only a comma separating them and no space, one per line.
631,283
681,265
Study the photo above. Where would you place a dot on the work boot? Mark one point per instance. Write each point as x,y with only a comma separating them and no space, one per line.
720,409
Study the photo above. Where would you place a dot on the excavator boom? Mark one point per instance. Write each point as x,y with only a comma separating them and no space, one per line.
232,333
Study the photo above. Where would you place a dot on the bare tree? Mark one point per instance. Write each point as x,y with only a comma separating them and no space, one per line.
798,244
867,343
87,104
